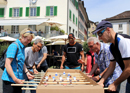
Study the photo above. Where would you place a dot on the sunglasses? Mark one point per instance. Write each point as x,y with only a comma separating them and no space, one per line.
101,33
91,46
31,32
71,39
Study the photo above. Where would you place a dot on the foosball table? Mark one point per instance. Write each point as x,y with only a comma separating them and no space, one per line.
63,81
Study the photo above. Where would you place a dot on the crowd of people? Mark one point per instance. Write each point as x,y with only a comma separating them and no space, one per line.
108,65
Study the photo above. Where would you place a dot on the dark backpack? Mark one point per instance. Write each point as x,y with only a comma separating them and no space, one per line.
3,57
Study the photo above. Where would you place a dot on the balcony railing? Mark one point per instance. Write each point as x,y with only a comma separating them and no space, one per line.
45,35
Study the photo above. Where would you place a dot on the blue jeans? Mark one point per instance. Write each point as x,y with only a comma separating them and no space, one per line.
26,79
127,87
79,67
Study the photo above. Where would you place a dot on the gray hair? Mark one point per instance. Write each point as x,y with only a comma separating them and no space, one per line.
38,41
94,39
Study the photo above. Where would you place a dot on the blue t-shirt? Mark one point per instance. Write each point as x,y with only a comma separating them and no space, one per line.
11,51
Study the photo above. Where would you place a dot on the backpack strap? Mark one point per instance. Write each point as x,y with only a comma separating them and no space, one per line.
16,54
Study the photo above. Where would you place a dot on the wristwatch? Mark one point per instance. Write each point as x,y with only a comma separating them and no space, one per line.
100,76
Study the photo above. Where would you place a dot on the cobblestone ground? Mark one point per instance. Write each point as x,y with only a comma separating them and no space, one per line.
122,90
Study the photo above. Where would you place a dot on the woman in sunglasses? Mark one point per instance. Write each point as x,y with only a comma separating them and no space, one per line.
13,72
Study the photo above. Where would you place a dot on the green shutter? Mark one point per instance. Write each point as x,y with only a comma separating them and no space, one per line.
1,12
47,10
10,12
55,10
38,11
76,20
70,14
27,11
73,18
77,5
21,11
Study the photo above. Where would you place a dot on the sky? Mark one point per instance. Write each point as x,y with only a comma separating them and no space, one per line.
98,10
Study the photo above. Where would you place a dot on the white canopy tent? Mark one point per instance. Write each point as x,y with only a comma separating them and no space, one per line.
62,38
36,37
37,21
7,38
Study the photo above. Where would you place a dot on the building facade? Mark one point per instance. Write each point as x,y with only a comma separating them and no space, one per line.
92,28
121,22
83,22
14,17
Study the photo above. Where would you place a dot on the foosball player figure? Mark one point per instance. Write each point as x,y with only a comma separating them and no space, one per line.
70,82
77,80
57,82
49,76
54,80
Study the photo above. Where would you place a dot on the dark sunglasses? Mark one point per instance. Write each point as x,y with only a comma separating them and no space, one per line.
31,32
101,33
71,39
91,46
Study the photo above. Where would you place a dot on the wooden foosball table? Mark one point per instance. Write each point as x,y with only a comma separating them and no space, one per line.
63,81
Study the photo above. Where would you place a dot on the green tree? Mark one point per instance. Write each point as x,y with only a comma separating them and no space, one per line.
85,47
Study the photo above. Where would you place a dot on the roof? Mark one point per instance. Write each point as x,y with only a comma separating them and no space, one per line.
121,16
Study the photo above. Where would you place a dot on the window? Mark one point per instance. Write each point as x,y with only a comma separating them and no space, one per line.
47,29
1,12
32,11
33,27
15,29
120,27
51,10
16,12
73,32
76,33
1,28
69,30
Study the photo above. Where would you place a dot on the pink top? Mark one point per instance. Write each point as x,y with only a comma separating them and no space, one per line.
89,59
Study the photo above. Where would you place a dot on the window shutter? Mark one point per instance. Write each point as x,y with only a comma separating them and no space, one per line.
76,20
48,11
1,12
10,12
77,4
55,10
21,11
73,18
27,11
38,11
70,14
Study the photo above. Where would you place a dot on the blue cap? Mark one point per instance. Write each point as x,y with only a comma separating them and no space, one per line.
102,25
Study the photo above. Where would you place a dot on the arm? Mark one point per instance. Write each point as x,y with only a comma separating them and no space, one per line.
10,71
109,71
125,74
27,72
63,60
43,59
34,69
96,78
86,61
82,57
93,69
